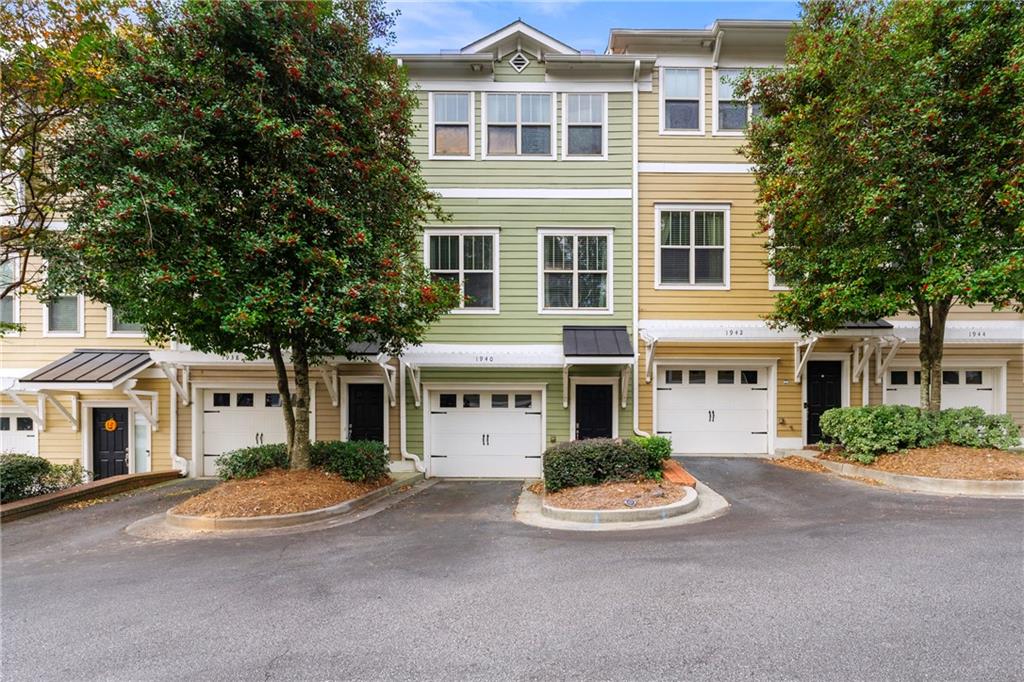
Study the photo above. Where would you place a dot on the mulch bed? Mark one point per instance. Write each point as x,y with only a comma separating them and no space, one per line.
276,492
613,495
949,461
799,463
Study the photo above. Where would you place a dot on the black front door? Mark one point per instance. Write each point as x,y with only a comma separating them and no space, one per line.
824,391
109,441
593,411
366,412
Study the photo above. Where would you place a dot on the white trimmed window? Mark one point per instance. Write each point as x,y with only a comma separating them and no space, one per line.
584,135
469,258
575,271
9,304
518,124
119,327
64,316
775,282
451,122
682,100
732,113
693,249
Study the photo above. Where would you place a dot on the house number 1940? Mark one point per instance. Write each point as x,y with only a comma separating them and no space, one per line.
485,358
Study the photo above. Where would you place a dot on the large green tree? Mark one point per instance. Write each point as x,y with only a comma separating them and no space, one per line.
251,189
889,164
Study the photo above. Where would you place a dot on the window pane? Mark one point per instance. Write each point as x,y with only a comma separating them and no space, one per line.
682,83
501,140
732,115
673,376
536,108
451,107
499,400
558,290
558,253
63,314
536,140
709,228
917,378
478,252
7,271
444,252
727,84
471,400
593,290
244,400
586,109
120,325
501,108
726,376
755,110
973,377
682,115
221,399
479,289
447,400
272,400
748,376
451,140
444,277
708,266
675,228
524,400
7,309
696,376
5,423
951,378
24,423
675,266
898,378
584,140
593,253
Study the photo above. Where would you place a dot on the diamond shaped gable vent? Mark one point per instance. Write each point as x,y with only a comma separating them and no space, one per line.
519,62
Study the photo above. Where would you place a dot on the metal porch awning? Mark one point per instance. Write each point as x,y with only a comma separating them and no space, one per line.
597,345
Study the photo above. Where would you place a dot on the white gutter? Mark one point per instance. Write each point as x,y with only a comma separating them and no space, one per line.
636,253
416,460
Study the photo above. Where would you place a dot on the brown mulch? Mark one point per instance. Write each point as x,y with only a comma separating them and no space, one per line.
276,492
799,463
949,461
613,495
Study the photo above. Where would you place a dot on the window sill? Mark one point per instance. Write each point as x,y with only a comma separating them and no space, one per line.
692,287
64,335
726,133
126,335
575,311
434,157
595,157
472,311
520,157
682,133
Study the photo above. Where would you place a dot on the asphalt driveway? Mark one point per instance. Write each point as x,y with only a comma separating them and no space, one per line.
805,578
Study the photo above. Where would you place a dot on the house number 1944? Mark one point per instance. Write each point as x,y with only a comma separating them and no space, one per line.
975,334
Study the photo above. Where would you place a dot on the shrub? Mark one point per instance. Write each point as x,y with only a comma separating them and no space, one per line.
24,476
594,461
251,462
658,447
354,460
866,432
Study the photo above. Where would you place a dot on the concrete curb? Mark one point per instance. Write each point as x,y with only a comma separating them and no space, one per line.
597,516
926,484
709,505
296,519
104,487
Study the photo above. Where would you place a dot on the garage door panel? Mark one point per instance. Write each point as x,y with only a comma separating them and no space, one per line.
231,426
901,388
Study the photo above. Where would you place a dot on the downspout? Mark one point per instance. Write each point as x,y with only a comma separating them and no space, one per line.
416,460
176,461
636,256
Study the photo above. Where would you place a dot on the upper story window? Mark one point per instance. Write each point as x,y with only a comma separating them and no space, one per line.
119,327
451,122
584,130
518,124
575,271
733,113
682,100
64,316
693,249
469,258
9,312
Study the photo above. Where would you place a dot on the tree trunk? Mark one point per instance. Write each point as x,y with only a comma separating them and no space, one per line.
300,443
285,392
931,337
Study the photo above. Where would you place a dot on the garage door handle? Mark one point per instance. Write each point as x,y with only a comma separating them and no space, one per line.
659,432
534,413
437,412
759,389
211,411
983,389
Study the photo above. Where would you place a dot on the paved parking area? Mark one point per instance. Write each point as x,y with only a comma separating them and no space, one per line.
805,578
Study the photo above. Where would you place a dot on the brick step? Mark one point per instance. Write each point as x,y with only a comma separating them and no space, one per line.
675,473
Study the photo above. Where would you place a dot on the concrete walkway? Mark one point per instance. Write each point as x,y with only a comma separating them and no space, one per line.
807,577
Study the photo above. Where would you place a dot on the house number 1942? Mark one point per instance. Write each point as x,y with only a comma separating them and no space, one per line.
734,332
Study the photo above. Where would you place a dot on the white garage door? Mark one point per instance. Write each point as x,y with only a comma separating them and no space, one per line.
239,418
713,410
18,434
486,433
961,387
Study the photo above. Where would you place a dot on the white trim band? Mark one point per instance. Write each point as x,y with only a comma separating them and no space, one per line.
695,167
532,193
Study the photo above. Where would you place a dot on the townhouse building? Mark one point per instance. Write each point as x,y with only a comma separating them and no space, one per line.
602,229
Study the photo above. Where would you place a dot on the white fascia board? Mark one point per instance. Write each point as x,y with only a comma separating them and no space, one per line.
532,193
194,358
967,331
484,355
714,330
523,29
649,167
484,83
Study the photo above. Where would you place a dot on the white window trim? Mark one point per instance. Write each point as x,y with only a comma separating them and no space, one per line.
726,274
575,232
565,129
714,109
113,333
494,233
16,303
519,156
772,284
81,321
661,104
472,130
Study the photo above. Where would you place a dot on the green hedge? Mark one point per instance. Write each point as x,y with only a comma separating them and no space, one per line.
594,461
353,460
24,476
866,432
